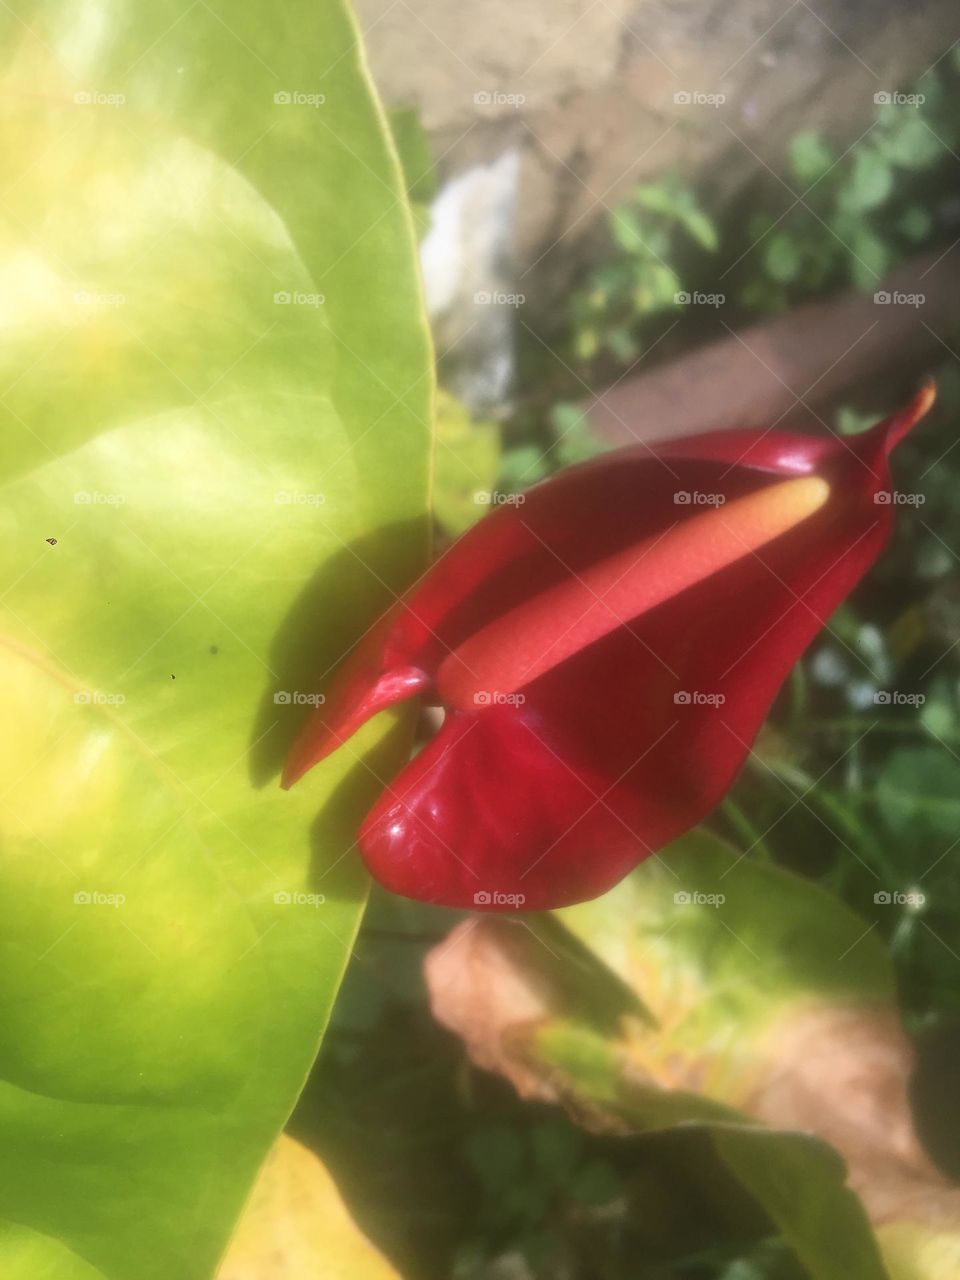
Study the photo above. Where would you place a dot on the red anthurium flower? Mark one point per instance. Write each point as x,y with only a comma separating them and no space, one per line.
605,651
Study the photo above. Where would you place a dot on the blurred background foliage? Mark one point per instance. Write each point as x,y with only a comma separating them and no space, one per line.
854,784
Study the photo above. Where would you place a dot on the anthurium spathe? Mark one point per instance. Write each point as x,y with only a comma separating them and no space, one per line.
605,651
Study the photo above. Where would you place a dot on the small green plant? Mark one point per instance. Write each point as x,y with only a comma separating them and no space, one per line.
651,232
861,211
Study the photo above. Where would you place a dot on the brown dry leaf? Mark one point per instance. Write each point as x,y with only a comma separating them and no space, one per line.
837,1071
843,1074
481,989
296,1227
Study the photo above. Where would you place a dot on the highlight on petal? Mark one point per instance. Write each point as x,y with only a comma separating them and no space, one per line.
544,630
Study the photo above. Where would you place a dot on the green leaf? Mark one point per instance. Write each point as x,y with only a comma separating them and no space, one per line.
626,230
658,197
658,290
467,462
416,160
556,1151
810,156
850,421
700,228
799,1181
586,343
782,258
621,344
869,182
869,258
523,466
911,144
575,440
916,224
918,792
725,953
213,462
597,1183
693,918
747,1018
496,1154
722,949
413,149
679,205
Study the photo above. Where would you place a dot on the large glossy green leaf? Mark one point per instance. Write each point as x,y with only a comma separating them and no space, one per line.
215,386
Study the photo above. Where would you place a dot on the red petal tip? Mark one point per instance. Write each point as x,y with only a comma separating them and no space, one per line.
895,428
353,702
